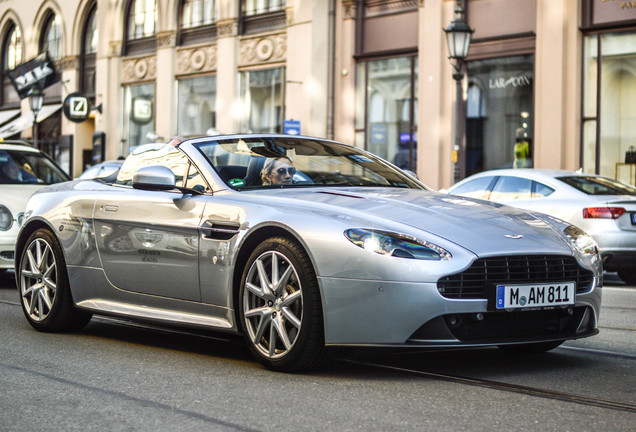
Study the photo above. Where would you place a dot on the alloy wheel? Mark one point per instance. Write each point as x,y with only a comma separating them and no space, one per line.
272,304
38,276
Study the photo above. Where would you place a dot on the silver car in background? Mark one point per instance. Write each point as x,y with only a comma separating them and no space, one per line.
602,207
301,244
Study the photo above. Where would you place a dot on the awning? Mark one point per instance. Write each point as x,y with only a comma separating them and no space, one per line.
8,115
26,121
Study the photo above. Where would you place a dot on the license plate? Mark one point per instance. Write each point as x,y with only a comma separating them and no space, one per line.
532,296
633,218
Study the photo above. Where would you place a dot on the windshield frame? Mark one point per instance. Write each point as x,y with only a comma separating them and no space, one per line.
309,156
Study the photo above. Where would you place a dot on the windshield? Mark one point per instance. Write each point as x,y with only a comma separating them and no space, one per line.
258,162
592,185
23,167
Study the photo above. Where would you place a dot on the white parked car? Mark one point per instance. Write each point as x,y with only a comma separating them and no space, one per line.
602,207
23,170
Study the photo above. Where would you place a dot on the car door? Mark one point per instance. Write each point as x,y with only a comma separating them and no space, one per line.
148,241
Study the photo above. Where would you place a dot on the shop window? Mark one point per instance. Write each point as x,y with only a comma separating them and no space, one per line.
140,27
139,117
261,15
88,53
197,22
609,129
12,46
499,113
261,95
386,113
196,106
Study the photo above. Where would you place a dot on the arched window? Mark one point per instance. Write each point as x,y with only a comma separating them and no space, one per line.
11,57
256,7
197,22
261,15
51,38
12,49
140,27
88,53
90,32
196,13
142,19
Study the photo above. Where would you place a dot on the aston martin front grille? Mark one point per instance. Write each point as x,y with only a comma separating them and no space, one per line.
477,281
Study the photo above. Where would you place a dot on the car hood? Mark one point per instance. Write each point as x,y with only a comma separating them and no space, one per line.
15,197
479,226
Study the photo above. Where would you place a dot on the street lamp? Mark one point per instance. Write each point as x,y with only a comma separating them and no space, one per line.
36,98
458,35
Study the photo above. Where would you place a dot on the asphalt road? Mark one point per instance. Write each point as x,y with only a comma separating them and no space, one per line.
117,376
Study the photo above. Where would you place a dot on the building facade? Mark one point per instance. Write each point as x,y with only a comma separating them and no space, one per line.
557,75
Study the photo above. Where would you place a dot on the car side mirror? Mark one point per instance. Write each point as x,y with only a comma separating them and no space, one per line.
156,177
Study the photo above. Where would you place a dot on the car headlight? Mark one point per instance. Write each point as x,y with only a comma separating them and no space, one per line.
6,218
584,243
397,245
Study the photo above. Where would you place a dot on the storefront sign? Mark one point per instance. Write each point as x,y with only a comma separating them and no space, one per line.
39,71
612,11
141,110
504,82
77,107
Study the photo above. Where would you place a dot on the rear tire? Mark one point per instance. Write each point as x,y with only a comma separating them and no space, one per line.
531,348
280,307
44,289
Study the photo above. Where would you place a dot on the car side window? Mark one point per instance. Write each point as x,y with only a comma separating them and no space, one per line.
477,188
195,179
511,188
540,190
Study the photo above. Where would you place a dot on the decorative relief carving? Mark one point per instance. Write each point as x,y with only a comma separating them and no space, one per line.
263,50
196,60
350,9
166,39
380,7
227,28
115,48
290,15
139,69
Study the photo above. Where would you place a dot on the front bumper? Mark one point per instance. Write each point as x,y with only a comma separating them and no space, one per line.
376,313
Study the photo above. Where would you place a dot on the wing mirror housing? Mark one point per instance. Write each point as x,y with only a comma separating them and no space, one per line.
157,178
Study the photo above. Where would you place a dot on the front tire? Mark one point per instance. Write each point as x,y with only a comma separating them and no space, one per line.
280,307
44,288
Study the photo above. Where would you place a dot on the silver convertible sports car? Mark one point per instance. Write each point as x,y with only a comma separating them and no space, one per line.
301,245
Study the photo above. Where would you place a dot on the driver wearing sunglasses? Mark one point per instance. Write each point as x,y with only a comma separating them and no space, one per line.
278,171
